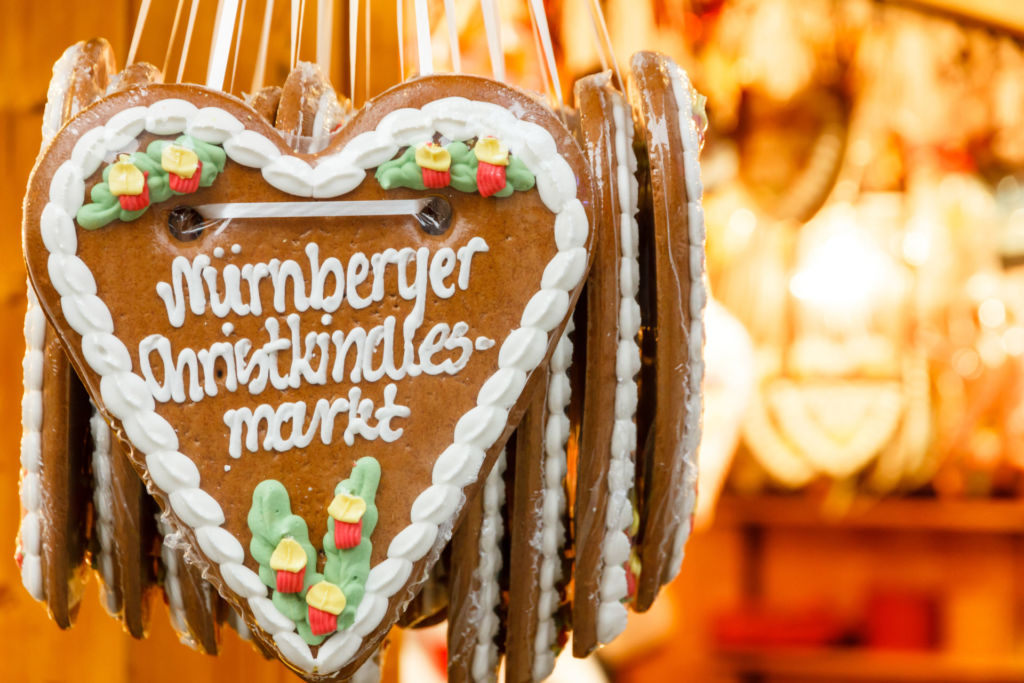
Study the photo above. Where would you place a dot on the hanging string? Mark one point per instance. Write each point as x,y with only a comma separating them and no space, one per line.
492,28
261,53
540,20
170,41
594,31
302,22
137,34
295,30
453,34
188,39
353,44
425,55
324,35
366,50
238,45
401,39
604,41
220,47
541,62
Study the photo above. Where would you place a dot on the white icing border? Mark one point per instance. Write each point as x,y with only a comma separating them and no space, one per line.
611,613
682,90
126,397
492,529
172,581
552,530
103,506
30,486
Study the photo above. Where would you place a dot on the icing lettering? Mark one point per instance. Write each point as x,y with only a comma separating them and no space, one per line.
286,354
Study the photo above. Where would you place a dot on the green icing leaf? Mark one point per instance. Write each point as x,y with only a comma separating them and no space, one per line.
518,176
105,207
404,172
349,568
463,168
270,519
401,172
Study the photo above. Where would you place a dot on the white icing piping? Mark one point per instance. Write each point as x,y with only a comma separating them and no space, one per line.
172,581
552,531
103,504
30,486
611,613
128,399
682,90
492,529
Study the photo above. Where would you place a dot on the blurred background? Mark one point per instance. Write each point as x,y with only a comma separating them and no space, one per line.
862,493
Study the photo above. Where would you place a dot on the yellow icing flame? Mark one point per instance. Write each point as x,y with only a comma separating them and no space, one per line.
634,564
125,178
179,161
326,597
491,151
433,156
288,556
347,508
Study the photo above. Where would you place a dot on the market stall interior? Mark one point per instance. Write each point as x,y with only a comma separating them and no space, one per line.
861,486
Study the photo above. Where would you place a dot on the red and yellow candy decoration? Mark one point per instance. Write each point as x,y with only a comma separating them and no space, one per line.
184,169
289,564
128,184
347,511
436,163
492,158
325,602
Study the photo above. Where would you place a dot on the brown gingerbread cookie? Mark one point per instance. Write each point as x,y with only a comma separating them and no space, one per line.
192,603
52,538
603,512
538,618
265,101
134,75
309,110
313,434
476,588
672,230
124,528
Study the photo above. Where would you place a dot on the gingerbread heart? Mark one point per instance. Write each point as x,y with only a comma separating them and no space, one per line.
312,389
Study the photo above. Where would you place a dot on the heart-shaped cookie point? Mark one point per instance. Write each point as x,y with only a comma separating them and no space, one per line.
333,354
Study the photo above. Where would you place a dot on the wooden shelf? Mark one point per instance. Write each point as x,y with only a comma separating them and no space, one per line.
993,516
853,664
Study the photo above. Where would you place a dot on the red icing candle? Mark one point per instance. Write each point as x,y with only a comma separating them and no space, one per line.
136,202
321,623
436,179
347,534
290,582
185,185
490,178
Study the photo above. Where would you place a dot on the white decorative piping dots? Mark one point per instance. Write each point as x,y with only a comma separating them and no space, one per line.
682,90
556,435
611,613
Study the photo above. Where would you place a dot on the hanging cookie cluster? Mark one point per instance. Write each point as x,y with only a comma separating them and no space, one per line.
530,474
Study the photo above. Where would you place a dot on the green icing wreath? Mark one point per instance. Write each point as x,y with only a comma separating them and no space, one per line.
105,207
270,520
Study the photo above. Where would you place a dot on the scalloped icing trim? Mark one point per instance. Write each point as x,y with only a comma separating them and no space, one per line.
681,90
174,473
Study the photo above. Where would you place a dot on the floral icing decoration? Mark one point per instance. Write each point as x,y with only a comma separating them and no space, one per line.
487,167
136,181
319,604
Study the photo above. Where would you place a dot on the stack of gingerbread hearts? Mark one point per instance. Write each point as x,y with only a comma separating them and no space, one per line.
324,369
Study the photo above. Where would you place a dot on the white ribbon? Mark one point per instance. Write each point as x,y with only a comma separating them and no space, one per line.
331,209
